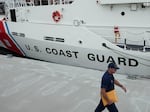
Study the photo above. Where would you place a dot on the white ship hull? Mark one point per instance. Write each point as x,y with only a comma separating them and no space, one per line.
77,39
71,52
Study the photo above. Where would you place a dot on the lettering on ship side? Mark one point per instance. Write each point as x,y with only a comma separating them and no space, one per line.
33,48
90,56
60,52
119,60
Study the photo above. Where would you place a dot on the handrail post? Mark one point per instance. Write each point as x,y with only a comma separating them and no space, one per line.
125,43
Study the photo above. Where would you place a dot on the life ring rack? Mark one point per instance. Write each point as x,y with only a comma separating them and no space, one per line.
56,16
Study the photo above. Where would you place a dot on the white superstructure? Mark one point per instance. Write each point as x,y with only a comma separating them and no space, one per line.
85,33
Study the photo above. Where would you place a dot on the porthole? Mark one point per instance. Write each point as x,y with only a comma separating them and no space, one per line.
80,41
122,13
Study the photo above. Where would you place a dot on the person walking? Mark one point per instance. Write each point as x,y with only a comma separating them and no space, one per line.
107,84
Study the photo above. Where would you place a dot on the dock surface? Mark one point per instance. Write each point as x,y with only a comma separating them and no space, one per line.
35,86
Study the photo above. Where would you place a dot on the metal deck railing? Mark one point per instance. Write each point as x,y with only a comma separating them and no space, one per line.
24,3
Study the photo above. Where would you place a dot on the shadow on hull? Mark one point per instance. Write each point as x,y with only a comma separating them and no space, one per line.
5,51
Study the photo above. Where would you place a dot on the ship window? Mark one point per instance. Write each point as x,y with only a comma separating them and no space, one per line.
41,2
142,6
37,2
44,2
2,8
56,2
13,15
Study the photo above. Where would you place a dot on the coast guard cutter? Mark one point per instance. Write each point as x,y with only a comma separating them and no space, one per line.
84,33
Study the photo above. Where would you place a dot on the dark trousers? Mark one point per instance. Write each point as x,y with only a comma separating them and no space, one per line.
101,107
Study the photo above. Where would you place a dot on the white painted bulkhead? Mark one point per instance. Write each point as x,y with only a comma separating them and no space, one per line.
101,19
91,12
